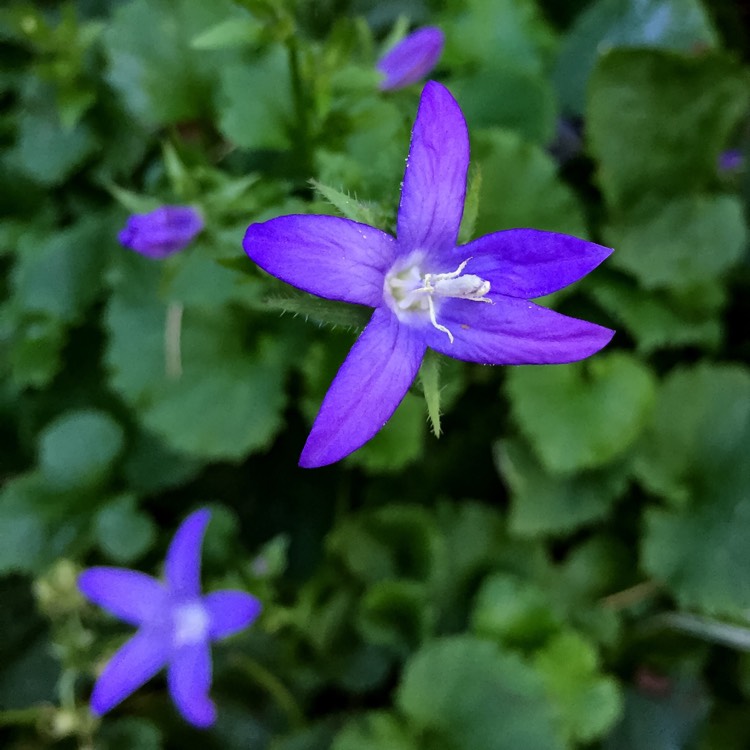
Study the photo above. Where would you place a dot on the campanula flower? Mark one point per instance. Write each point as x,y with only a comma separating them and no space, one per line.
162,232
469,301
176,625
731,160
411,59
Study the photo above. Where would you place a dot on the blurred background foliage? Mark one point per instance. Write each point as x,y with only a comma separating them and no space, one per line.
568,566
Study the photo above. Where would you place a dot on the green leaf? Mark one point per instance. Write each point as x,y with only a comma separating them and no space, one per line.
513,612
698,548
683,243
680,25
658,319
59,274
544,503
654,139
588,703
196,382
583,415
510,97
152,64
376,730
233,32
469,693
696,431
129,732
122,532
79,448
255,105
347,206
514,176
318,310
429,378
399,443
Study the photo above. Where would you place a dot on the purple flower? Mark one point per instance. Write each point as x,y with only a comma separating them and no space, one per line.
411,59
470,302
731,160
176,625
162,232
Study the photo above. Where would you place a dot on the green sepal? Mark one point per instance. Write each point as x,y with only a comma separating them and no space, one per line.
429,377
322,311
347,206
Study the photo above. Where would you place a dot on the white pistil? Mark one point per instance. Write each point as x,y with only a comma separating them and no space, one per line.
410,290
191,623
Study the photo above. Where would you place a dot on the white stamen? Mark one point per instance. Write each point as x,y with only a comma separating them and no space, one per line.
191,623
411,291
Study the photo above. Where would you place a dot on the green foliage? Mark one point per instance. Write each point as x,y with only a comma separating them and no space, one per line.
558,567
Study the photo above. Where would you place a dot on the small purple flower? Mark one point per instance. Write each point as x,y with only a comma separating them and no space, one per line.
176,625
731,160
162,232
470,302
411,59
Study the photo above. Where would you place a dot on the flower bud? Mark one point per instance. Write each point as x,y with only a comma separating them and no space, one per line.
411,59
162,232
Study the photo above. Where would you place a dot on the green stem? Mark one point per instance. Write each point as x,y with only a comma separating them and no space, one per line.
302,134
20,716
274,687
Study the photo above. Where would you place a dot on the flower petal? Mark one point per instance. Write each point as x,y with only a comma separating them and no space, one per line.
512,331
434,188
325,255
183,564
189,680
530,263
128,594
412,58
366,391
230,612
133,665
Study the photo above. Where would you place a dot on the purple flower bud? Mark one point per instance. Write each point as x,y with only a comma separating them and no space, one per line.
412,58
731,160
162,232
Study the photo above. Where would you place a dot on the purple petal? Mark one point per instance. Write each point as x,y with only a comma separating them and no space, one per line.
412,58
162,232
133,665
183,564
432,196
530,263
324,255
230,612
189,680
127,594
513,331
366,391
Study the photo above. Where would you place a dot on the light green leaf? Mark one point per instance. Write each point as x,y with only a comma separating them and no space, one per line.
681,25
195,383
583,415
544,503
232,32
78,449
587,703
122,532
151,63
658,319
376,730
683,243
255,106
513,612
467,693
515,175
653,139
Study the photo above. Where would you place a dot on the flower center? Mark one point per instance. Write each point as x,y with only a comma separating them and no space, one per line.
191,623
408,290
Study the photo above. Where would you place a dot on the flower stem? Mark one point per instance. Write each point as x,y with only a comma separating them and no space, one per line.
302,115
274,687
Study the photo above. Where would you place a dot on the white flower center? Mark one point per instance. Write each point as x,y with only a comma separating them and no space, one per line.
191,623
408,290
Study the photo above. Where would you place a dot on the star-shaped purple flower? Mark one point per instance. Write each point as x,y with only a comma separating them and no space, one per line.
470,301
411,59
161,232
175,625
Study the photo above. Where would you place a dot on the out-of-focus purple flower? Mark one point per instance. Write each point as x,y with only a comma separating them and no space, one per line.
176,625
731,160
568,141
411,59
470,302
162,232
